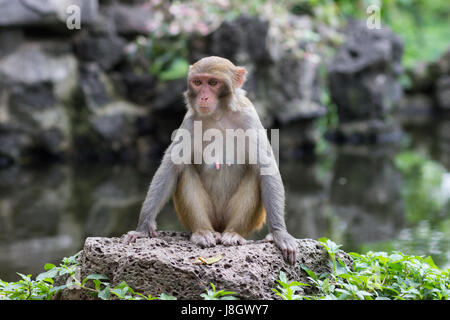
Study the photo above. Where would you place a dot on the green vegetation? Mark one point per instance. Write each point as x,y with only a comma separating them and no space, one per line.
375,275
42,287
97,285
423,25
218,295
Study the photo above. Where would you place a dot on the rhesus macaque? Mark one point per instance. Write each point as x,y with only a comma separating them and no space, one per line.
219,202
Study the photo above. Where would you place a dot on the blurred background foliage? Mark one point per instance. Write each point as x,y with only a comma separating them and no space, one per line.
423,25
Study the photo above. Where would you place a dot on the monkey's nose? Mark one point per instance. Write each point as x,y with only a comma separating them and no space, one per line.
204,98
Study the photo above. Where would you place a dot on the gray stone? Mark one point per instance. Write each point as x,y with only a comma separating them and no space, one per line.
95,87
106,50
416,104
443,92
38,80
13,142
130,19
108,131
35,62
44,12
363,77
167,264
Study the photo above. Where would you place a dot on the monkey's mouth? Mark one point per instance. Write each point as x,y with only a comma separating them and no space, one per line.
204,109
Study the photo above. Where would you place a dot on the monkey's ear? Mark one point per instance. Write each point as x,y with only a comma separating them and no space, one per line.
240,73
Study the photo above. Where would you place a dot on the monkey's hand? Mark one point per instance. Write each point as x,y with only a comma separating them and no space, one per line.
148,230
287,244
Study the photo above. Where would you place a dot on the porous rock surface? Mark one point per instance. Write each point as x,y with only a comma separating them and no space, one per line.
166,264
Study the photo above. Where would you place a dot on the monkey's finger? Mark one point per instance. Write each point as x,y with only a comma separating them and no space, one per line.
292,256
151,231
294,249
237,239
132,236
217,236
210,239
203,243
203,239
129,239
268,238
285,253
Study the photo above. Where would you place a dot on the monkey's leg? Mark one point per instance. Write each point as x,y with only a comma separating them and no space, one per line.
194,208
245,212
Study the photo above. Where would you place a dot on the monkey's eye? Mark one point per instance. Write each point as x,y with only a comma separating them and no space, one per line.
197,82
212,82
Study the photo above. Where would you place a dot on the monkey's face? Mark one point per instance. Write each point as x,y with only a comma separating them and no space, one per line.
206,90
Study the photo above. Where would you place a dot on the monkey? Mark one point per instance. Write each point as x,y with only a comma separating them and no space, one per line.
221,203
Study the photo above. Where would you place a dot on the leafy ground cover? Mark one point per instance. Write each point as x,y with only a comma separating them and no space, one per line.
375,275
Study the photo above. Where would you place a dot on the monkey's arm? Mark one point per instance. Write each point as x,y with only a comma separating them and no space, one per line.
161,189
273,195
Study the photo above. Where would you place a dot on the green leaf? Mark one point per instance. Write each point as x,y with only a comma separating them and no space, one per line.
49,266
310,273
178,69
296,283
94,277
283,278
430,262
97,276
105,293
56,289
48,275
223,293
229,298
24,277
164,296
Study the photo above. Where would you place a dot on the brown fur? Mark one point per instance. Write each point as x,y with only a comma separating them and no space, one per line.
243,213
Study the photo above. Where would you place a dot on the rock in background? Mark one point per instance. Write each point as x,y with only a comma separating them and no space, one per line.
77,94
430,82
363,83
60,94
37,80
74,94
44,13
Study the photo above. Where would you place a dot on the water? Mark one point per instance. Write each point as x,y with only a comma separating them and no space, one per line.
364,198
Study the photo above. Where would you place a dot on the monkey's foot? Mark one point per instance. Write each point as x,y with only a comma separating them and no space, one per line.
268,238
232,239
205,238
132,236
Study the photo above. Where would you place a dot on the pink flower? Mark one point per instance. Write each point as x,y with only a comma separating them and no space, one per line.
202,28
